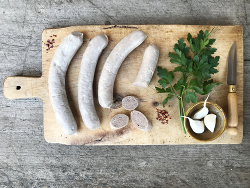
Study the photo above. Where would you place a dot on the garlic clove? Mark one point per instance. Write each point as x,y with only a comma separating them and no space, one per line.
210,122
202,112
196,125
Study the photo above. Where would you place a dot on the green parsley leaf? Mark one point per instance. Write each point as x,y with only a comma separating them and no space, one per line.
196,62
190,96
208,51
166,100
163,82
179,69
180,84
160,90
210,43
194,85
165,75
213,61
161,72
178,58
198,76
208,86
181,46
200,35
189,66
189,37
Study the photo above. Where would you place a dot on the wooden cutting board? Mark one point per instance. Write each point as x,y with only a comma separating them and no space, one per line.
164,36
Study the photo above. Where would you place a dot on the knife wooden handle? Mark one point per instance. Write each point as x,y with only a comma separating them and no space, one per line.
232,113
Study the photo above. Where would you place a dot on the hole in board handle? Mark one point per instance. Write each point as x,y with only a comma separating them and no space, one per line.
18,87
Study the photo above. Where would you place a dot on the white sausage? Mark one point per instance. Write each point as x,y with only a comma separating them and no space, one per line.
119,121
140,121
147,69
85,80
130,102
113,63
58,68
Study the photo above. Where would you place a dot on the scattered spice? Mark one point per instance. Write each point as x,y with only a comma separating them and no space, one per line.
50,43
162,116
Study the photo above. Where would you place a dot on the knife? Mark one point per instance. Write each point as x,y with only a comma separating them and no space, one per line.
232,96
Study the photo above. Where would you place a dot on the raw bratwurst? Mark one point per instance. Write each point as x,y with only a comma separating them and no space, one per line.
147,69
57,72
113,63
85,81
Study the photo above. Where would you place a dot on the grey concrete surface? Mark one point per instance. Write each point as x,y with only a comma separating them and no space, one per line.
26,160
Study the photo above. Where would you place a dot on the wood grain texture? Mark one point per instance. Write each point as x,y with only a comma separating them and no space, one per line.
129,135
23,87
27,160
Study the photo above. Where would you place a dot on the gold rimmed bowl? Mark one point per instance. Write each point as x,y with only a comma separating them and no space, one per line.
220,126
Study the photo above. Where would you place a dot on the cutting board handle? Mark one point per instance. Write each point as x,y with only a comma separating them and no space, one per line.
16,87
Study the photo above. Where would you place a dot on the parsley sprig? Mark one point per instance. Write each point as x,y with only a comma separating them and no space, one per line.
196,72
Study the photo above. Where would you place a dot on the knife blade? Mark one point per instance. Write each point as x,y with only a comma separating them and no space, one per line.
232,96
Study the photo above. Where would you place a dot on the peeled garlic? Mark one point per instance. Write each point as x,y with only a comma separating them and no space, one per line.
210,121
196,125
202,112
